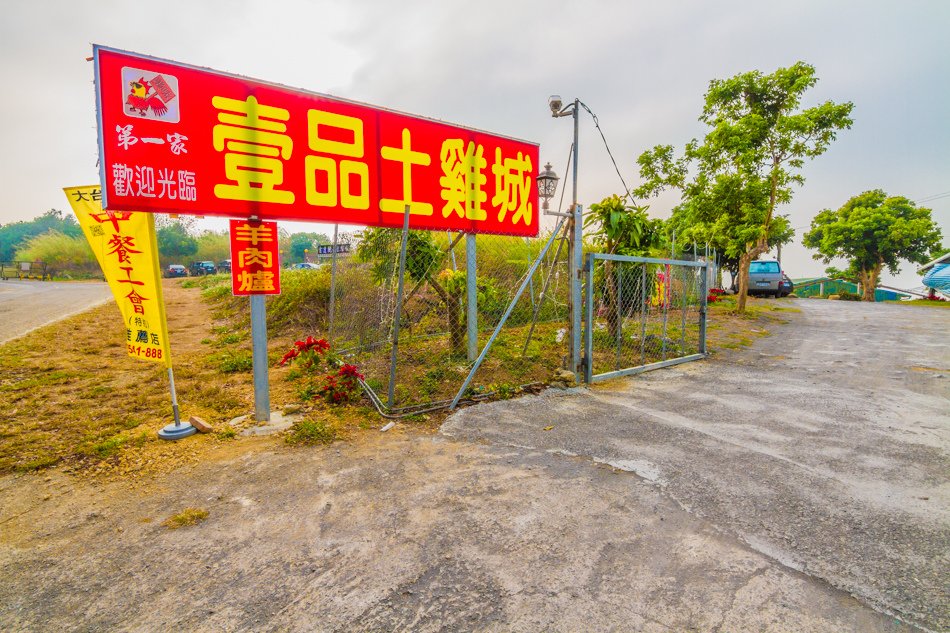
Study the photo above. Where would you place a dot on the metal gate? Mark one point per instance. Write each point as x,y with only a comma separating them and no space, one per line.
642,313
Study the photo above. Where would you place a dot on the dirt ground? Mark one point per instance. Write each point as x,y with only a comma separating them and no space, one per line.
603,510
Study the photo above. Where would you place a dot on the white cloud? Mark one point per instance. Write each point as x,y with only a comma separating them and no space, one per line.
641,66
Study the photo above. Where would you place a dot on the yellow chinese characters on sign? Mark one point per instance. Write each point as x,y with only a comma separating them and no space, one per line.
463,180
255,139
255,268
334,163
407,157
124,243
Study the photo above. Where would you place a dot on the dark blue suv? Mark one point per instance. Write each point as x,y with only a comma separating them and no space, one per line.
203,268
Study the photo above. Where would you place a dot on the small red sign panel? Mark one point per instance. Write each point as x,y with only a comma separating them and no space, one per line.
180,139
255,261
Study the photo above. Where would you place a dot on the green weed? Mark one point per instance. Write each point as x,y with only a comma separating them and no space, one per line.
188,516
227,433
313,432
234,362
110,446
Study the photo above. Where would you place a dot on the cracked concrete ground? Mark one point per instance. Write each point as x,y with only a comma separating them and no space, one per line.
400,533
824,447
507,527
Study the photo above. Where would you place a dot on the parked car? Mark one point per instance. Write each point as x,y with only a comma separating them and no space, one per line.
224,266
765,277
176,270
786,287
203,268
306,266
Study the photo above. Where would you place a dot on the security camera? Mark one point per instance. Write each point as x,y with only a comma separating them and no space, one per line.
555,103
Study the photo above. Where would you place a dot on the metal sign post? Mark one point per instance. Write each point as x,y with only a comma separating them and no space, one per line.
336,228
259,343
397,317
471,317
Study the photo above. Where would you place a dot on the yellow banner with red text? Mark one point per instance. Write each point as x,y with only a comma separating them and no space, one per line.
125,245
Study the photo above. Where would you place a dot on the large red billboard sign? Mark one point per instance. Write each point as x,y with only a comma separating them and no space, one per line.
179,139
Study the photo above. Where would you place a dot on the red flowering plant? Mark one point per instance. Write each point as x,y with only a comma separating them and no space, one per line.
342,387
308,356
715,294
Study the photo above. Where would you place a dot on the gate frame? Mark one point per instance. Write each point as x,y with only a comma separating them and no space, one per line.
588,364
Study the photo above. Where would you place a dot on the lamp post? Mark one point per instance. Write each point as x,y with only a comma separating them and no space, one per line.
575,243
547,186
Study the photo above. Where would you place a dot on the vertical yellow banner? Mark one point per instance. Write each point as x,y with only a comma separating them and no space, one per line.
125,245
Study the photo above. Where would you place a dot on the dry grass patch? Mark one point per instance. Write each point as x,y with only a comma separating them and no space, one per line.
74,397
729,330
187,517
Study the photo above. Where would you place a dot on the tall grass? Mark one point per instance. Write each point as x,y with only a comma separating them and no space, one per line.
61,253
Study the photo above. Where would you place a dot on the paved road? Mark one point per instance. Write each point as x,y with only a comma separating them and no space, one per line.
825,448
27,305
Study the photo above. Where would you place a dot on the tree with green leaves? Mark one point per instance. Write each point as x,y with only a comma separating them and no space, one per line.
300,243
873,231
213,246
381,246
720,218
175,243
621,229
15,235
732,183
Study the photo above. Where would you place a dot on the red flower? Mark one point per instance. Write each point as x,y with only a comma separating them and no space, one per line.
293,353
350,370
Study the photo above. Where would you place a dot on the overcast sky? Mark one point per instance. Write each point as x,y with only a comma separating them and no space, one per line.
641,66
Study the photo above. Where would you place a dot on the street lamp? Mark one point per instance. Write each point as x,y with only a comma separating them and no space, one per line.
558,109
547,186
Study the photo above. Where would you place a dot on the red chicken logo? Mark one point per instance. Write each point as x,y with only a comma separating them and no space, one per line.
141,98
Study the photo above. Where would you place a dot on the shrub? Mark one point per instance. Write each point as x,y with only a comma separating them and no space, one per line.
303,300
307,355
342,387
849,296
60,252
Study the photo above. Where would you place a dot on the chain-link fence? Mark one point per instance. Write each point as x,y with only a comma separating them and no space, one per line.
436,329
427,337
642,313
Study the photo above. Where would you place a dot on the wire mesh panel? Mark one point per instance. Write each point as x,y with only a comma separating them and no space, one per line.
642,313
417,346
432,352
532,343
